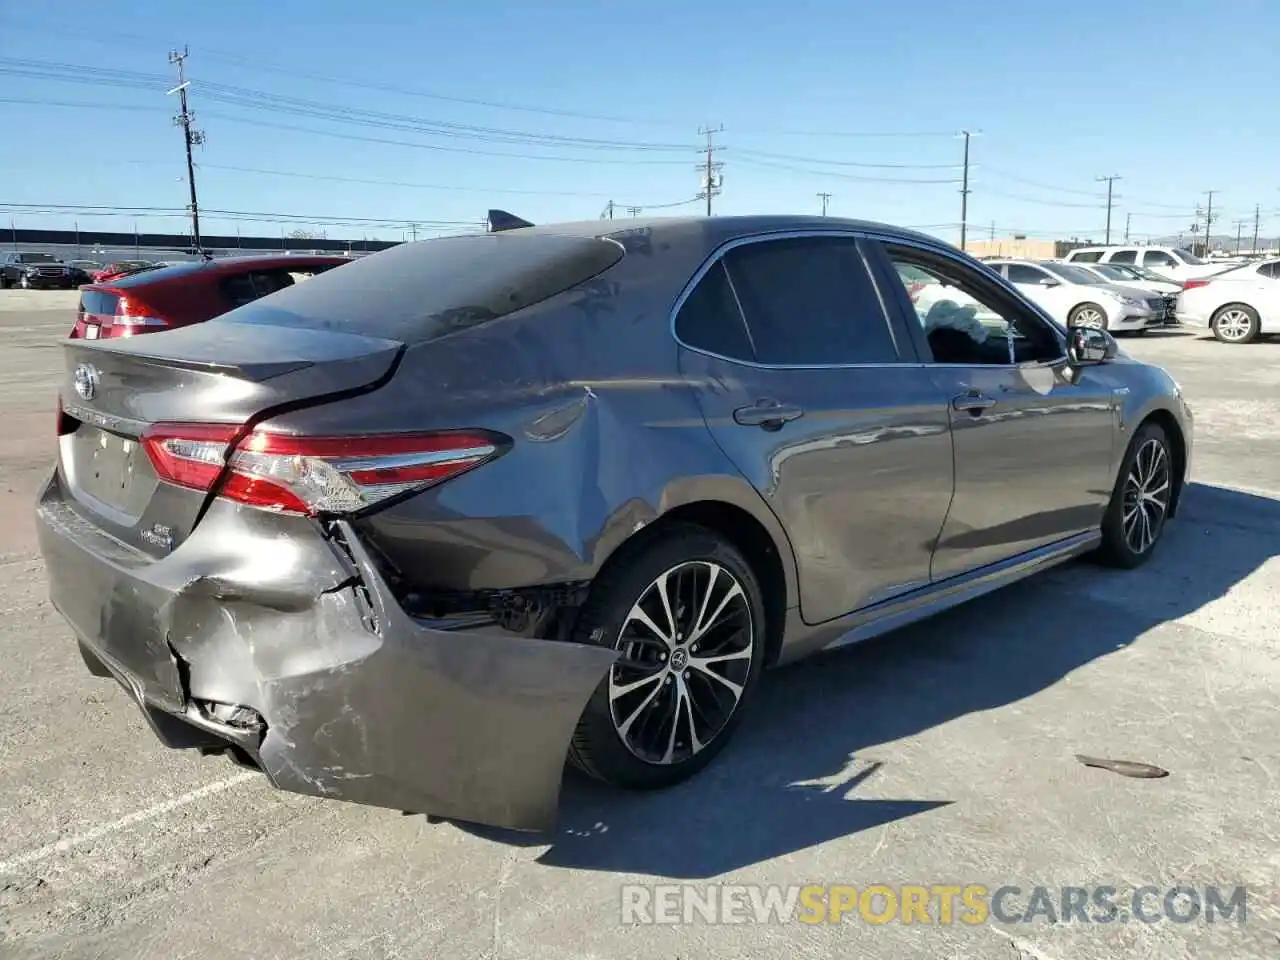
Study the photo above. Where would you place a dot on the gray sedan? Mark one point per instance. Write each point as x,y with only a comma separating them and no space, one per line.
414,532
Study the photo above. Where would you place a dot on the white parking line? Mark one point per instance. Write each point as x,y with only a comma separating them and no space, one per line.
140,816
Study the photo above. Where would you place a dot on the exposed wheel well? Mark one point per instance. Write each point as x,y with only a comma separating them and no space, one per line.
1178,445
752,540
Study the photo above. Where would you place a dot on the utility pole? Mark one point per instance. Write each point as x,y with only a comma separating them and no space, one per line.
1110,181
1128,218
608,211
993,231
1257,218
634,211
189,137
1208,222
413,232
711,178
964,190
824,197
1239,229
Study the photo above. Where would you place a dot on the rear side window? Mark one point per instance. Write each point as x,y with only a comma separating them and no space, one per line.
1271,270
1124,256
242,288
710,319
416,292
1021,273
810,301
1090,256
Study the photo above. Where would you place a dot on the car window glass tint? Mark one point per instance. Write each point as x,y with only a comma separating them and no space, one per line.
710,320
1124,256
1270,270
810,301
1093,256
1021,273
1159,258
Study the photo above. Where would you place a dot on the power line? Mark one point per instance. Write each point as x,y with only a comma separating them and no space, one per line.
396,183
854,178
846,163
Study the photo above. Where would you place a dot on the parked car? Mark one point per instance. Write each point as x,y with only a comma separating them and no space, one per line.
35,271
1173,262
160,297
120,268
1130,276
1239,305
84,270
1078,298
412,531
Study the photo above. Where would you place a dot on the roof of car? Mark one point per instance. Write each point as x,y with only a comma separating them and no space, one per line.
720,229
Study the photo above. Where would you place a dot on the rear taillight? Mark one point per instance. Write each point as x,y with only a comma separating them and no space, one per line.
311,475
134,317
1192,284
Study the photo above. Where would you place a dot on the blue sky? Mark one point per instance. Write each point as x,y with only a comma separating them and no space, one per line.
586,102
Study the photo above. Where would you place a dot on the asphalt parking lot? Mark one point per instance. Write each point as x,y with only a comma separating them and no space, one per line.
943,754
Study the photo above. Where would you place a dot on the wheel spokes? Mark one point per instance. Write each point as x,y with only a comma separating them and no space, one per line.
1145,500
675,687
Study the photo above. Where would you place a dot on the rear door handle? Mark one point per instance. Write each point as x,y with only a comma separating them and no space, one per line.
769,414
974,402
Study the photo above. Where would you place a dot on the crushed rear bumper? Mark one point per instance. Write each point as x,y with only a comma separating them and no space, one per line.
355,700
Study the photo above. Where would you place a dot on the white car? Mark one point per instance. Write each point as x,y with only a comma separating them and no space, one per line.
1173,262
1077,298
1132,277
1238,306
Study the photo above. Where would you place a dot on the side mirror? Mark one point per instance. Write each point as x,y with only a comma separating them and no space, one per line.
1087,346
1050,282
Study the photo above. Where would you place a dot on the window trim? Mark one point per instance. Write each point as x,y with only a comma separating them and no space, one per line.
890,316
1003,286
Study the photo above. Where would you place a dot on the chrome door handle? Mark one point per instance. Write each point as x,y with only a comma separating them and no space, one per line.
973,402
769,414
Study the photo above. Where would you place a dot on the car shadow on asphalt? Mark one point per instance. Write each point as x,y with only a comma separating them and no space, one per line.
792,776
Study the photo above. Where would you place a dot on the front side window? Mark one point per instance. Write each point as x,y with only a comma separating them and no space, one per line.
967,319
1158,258
1271,270
809,301
1124,256
1186,256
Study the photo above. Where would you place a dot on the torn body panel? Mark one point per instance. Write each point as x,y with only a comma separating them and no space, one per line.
359,700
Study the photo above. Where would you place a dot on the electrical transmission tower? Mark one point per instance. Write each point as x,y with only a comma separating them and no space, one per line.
1110,181
712,178
825,198
190,137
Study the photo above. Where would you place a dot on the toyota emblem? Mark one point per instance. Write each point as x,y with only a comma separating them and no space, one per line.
86,381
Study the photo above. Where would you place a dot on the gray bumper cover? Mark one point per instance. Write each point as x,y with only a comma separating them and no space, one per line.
361,702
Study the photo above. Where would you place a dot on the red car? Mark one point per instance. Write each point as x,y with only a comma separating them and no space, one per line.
120,268
187,293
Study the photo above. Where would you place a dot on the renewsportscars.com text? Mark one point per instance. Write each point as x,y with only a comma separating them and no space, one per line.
936,904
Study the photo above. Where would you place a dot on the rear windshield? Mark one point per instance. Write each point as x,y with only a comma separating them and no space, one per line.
419,291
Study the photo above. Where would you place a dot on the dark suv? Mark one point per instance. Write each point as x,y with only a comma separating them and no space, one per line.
36,271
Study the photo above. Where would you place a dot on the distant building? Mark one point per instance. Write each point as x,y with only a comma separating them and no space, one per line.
1021,248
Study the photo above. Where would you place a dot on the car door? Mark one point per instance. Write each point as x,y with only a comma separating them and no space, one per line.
1033,439
1043,288
821,403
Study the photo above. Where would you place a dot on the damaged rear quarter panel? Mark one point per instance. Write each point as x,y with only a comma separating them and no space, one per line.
607,432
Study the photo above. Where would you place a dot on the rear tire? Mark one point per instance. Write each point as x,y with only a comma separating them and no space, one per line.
1089,315
1140,502
1236,323
666,710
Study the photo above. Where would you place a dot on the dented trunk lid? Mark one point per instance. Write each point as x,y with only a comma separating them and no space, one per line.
225,373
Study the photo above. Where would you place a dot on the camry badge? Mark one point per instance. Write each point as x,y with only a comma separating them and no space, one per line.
86,378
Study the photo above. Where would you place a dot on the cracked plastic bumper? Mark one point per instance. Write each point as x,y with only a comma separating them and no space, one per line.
360,702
